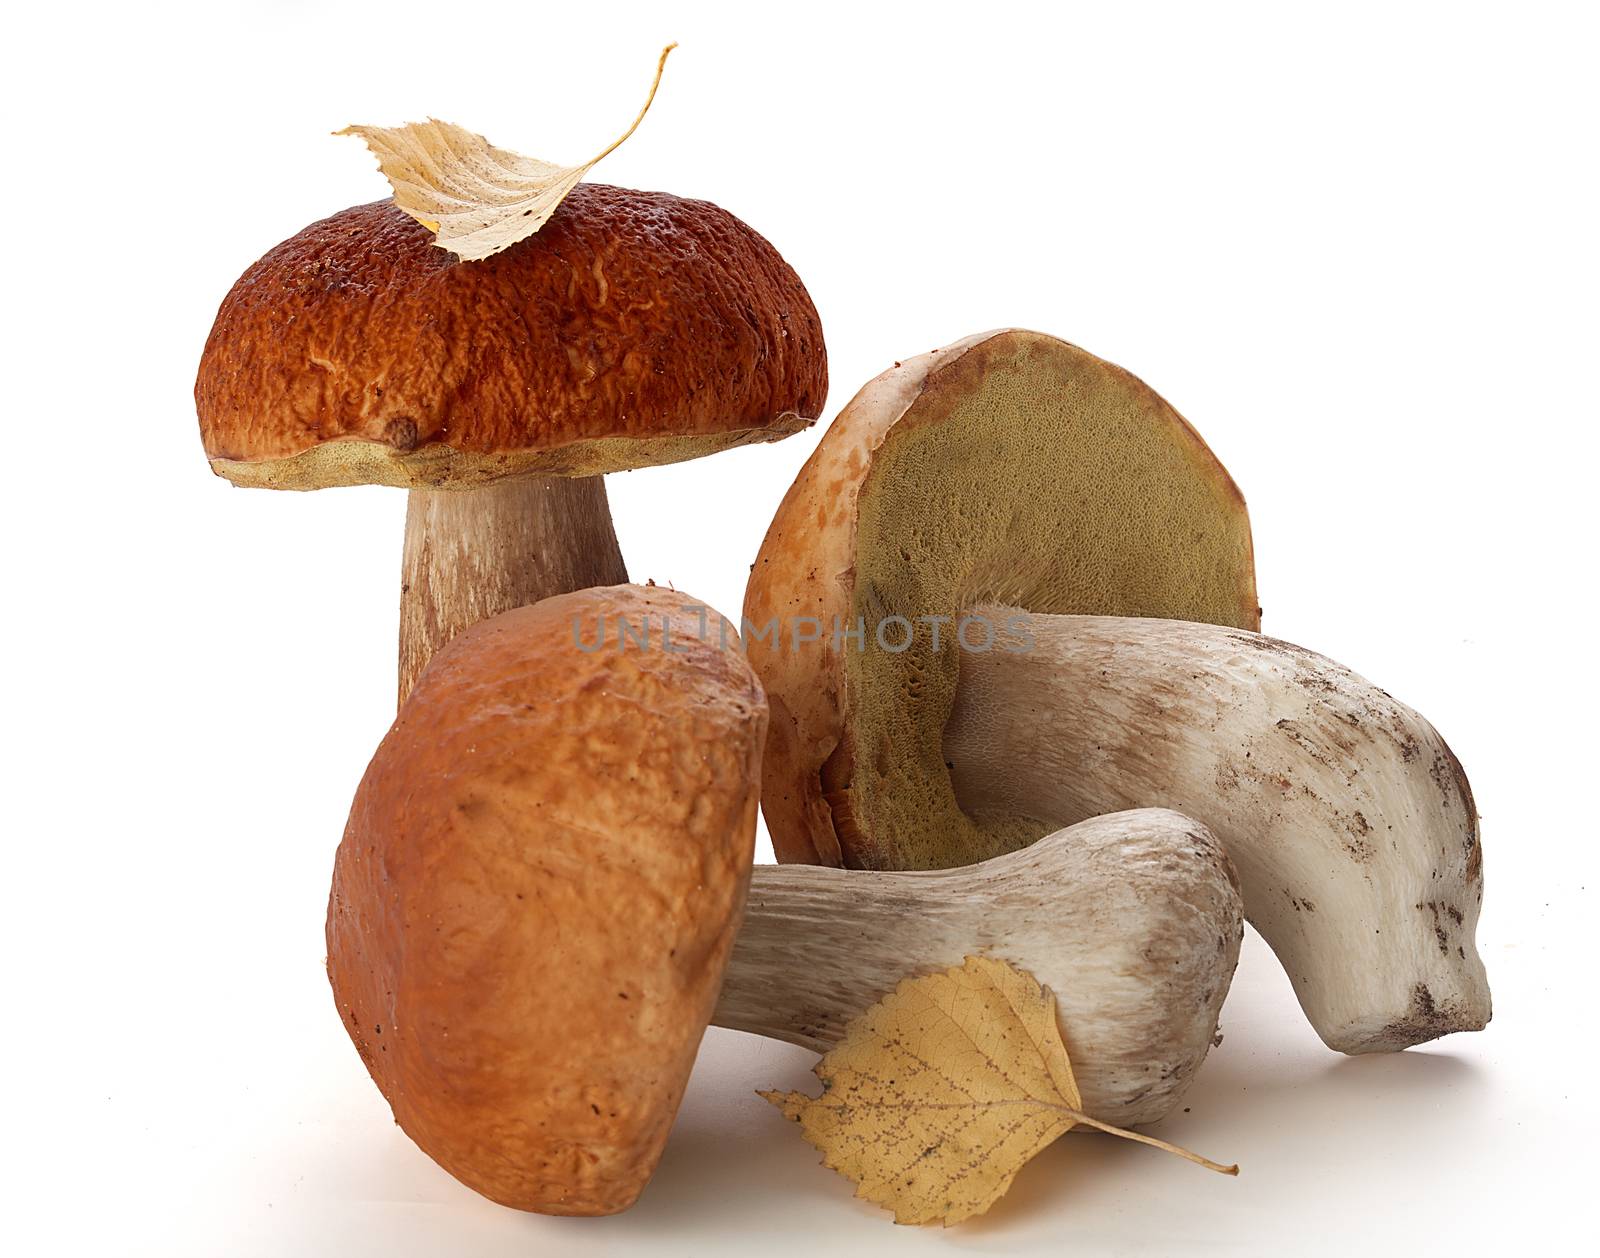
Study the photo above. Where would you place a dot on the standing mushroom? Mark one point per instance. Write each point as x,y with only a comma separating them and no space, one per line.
936,699
634,329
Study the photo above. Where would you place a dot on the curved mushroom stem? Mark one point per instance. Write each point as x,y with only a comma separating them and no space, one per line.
1350,821
474,553
1132,921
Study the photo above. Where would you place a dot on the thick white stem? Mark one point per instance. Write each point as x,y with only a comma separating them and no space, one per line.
474,553
1133,921
1348,818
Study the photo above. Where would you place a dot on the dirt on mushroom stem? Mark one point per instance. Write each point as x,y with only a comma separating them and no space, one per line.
1352,828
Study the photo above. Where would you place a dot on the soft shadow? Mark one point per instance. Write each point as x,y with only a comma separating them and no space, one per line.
1271,1097
734,1165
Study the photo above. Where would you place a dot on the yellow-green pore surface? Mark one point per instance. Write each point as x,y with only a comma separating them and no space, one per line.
1030,473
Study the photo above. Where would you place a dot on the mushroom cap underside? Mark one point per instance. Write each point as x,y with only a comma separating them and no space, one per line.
1009,468
634,329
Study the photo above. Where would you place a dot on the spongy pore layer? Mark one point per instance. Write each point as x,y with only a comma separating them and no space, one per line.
1027,472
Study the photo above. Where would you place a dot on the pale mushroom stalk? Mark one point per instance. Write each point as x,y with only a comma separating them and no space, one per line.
1132,920
474,552
1349,820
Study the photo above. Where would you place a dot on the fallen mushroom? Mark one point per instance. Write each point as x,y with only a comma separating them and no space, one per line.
539,887
949,505
1007,467
546,863
1348,817
1132,920
634,329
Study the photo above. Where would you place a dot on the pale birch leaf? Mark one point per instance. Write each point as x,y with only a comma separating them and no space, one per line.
941,1092
476,199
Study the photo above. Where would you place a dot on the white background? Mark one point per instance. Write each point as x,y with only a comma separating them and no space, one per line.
1354,244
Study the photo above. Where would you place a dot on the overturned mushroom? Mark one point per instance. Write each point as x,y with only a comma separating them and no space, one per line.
1009,467
926,570
546,863
1132,920
636,328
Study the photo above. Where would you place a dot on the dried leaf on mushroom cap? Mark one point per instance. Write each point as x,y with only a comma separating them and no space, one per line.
476,198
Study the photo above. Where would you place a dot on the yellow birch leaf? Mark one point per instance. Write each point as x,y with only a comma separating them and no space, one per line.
941,1092
476,199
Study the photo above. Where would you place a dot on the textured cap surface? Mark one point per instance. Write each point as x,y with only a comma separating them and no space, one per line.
540,883
635,328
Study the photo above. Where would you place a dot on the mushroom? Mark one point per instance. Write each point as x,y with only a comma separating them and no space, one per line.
1132,920
916,614
546,863
634,329
539,887
1008,467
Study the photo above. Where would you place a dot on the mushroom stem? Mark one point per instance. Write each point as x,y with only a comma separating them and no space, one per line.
1132,921
474,553
1350,821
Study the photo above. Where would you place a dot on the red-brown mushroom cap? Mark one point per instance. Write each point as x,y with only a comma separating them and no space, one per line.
539,886
635,328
